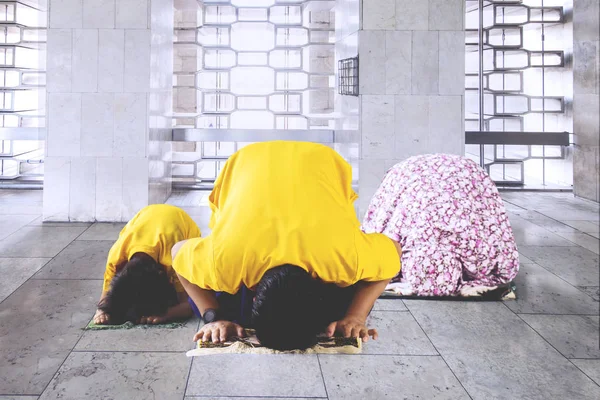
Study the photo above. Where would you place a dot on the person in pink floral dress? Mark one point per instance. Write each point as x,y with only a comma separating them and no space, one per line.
448,216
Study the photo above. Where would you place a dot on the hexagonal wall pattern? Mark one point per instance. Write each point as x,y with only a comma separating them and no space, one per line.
267,60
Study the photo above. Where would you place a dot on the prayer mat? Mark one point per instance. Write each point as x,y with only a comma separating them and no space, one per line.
504,292
130,325
250,345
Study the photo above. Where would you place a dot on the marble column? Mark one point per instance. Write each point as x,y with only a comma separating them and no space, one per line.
412,66
347,108
109,84
586,95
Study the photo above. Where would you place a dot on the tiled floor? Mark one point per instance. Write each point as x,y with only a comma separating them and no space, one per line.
545,345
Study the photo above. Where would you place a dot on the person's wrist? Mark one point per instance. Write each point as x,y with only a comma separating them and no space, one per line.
211,315
356,316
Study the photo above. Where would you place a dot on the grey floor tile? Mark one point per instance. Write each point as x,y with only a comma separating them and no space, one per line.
198,211
529,234
287,375
14,209
381,377
496,355
542,220
18,397
140,339
583,226
15,271
540,291
576,265
9,224
34,241
399,334
131,376
575,336
580,212
582,239
82,259
17,196
510,207
559,206
593,291
103,231
41,322
389,305
249,398
590,367
188,198
584,211
524,260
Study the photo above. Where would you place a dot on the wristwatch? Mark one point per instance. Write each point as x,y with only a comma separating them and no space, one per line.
210,315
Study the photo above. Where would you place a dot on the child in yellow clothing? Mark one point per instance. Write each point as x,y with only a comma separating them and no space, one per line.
140,284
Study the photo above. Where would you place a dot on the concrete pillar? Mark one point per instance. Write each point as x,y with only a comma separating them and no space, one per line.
586,95
412,73
109,84
347,108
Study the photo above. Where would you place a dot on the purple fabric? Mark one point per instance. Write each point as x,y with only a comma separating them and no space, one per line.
448,216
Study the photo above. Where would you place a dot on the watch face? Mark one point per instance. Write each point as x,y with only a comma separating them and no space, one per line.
209,316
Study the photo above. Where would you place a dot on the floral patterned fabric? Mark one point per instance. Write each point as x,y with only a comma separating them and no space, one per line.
448,216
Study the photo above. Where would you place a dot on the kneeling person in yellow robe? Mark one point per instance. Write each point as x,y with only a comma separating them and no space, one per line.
284,226
139,282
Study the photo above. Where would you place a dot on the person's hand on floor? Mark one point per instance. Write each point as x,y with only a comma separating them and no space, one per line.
219,331
154,320
351,326
101,318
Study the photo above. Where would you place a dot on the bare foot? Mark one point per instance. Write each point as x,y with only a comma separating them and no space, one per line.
101,318
153,320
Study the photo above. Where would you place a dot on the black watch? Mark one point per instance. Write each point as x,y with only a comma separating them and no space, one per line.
210,315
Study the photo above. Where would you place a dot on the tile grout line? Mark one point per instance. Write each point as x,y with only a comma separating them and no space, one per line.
546,314
322,377
187,379
62,363
125,351
558,276
82,331
189,374
201,396
556,314
513,204
440,354
29,258
57,254
24,226
557,221
551,345
63,279
27,280
559,247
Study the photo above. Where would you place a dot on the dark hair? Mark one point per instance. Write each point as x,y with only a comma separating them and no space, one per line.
288,311
141,288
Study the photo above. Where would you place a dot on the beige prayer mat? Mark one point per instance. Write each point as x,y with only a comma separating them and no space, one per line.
250,345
